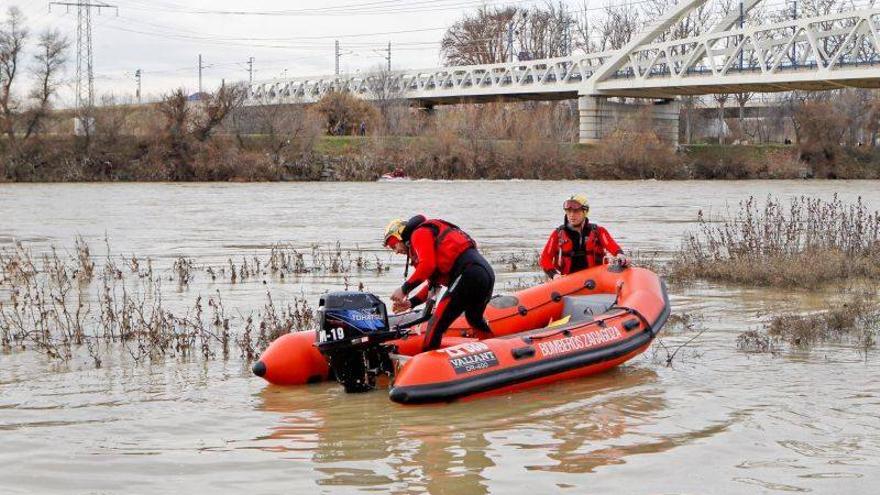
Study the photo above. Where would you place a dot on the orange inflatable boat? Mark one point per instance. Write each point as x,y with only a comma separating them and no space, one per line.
569,327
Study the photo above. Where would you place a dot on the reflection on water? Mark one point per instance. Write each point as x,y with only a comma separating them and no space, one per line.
447,447
716,421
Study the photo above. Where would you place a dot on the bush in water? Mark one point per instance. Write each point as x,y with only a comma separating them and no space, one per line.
804,243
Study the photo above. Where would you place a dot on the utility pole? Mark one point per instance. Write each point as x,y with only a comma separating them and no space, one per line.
251,70
137,76
337,57
389,56
200,76
85,76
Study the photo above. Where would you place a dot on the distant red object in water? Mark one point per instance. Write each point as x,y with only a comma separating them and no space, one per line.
397,174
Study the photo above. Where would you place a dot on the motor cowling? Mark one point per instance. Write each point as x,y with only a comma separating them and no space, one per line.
352,328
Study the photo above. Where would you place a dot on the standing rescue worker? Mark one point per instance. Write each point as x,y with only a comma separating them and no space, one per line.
577,244
442,254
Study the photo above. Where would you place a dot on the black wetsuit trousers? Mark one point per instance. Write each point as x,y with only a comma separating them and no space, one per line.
469,293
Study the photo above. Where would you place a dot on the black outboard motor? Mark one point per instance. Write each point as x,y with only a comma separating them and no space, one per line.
353,327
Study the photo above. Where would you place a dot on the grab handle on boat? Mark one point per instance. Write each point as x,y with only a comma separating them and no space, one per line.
531,338
522,352
638,314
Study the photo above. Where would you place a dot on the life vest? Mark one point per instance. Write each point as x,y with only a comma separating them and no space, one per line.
592,250
449,243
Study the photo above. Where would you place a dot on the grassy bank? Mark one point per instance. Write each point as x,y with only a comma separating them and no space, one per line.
310,158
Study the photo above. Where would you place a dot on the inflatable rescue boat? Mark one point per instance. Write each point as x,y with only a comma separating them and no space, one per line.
569,327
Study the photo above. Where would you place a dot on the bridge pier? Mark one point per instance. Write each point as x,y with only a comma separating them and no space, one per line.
600,117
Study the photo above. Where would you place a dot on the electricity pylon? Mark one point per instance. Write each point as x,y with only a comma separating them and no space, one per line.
85,76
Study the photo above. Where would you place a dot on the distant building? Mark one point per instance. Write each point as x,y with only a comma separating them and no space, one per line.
198,96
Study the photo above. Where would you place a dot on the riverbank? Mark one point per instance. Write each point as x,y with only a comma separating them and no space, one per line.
256,158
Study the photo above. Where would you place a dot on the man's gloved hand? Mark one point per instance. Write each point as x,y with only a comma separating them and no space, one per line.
398,295
401,306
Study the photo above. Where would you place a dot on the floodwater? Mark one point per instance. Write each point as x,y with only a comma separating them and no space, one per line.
716,421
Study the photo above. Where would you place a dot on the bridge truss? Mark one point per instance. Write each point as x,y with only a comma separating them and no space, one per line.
815,53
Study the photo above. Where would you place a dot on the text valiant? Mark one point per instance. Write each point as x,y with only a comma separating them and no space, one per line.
577,342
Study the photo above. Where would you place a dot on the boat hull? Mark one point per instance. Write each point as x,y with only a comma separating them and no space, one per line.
581,347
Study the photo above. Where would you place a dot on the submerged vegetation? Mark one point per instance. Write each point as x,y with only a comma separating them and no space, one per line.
56,302
856,322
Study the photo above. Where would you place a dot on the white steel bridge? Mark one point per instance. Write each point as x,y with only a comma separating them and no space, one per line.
840,50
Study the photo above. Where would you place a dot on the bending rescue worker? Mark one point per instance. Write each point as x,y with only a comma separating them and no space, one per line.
442,254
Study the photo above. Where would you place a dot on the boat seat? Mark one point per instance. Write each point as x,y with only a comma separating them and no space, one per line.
585,307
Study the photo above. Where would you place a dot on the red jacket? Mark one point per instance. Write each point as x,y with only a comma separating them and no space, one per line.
434,246
560,248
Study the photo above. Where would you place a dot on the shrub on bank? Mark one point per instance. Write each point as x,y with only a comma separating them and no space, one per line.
635,155
218,139
744,162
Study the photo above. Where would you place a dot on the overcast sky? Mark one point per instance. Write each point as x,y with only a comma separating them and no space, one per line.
286,38
163,38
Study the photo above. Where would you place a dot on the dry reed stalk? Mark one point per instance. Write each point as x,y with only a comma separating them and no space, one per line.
806,242
857,321
49,307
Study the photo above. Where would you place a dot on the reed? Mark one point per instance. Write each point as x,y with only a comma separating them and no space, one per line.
856,322
59,302
803,243
527,259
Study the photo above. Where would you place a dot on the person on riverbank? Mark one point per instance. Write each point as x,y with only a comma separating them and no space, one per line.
442,254
577,244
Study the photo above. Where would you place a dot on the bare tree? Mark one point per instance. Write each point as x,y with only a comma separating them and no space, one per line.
386,93
174,108
110,121
688,108
858,108
13,35
544,32
617,27
584,29
285,129
479,38
49,61
217,106
721,100
499,34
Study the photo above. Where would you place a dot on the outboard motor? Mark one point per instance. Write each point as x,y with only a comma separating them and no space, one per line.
353,327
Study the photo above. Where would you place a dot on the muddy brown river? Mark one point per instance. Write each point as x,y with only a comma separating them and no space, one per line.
717,420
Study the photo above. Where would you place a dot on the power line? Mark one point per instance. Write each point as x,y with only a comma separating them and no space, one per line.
243,41
362,9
